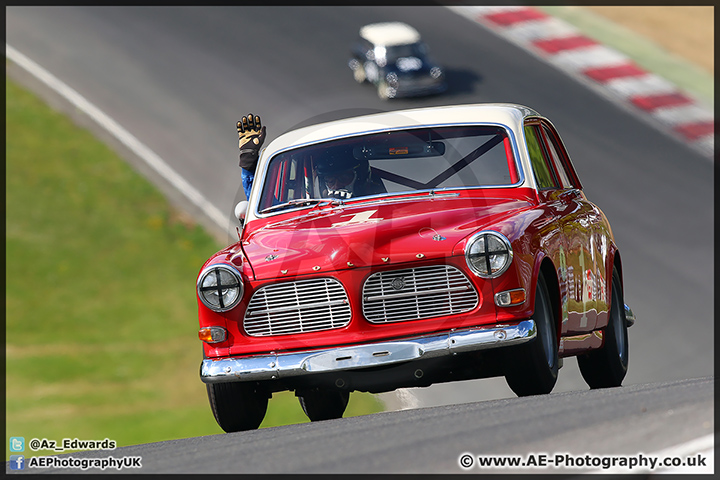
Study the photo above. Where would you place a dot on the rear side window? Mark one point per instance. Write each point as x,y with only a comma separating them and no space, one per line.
541,169
560,158
554,152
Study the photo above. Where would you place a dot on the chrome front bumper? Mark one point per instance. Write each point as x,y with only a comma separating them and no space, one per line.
286,365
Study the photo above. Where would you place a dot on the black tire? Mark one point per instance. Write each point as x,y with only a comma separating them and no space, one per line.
319,404
533,366
607,366
237,406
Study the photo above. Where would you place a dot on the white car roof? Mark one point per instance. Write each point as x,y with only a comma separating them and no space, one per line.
389,33
510,115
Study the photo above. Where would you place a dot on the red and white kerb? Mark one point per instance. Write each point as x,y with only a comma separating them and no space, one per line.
616,75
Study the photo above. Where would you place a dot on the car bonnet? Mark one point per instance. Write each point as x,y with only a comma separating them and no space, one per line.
370,233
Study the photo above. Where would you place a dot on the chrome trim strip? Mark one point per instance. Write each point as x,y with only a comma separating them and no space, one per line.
629,316
288,365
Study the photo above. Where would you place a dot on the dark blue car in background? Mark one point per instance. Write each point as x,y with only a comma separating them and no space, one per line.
392,56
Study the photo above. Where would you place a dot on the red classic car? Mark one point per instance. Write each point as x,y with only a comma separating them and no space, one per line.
407,248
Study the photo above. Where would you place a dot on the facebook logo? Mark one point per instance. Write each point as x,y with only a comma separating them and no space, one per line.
17,462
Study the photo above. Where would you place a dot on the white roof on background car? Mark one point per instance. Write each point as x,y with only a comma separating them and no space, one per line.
389,33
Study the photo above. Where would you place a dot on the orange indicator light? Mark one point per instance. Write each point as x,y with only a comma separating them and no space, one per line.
212,334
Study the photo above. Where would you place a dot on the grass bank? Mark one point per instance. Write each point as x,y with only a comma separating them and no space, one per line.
101,315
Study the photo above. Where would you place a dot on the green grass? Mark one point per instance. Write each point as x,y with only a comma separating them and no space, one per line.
101,315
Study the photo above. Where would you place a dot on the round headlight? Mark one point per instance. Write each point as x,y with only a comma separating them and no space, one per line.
220,287
435,72
488,254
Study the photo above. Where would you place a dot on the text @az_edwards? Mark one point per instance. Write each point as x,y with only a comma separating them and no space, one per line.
65,444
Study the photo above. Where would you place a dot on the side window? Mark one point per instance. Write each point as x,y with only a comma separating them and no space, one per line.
541,169
553,151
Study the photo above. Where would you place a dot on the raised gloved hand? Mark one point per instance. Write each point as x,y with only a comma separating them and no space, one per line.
251,135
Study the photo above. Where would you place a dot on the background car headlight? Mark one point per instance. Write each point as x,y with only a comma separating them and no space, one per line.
435,72
488,254
220,287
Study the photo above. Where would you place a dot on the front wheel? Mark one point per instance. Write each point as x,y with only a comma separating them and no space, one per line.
533,366
319,404
237,406
607,366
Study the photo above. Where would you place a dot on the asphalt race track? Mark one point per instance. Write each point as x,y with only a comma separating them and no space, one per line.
179,78
623,422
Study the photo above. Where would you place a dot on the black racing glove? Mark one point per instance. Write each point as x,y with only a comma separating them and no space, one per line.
251,136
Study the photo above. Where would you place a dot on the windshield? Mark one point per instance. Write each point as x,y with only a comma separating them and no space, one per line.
390,162
409,50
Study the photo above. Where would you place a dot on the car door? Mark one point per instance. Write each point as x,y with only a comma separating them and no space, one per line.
588,233
572,252
597,235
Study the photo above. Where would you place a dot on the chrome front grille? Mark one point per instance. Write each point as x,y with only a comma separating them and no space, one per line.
297,307
417,293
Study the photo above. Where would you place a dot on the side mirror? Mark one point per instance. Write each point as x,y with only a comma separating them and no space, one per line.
241,210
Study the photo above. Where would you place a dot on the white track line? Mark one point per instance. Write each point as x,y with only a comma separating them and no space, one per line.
120,133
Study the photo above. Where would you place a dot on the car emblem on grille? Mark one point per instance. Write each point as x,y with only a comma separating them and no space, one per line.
270,257
398,283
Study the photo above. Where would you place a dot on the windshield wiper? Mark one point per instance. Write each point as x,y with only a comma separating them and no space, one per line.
303,201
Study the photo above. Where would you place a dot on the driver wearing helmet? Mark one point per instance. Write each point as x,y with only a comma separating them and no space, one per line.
345,177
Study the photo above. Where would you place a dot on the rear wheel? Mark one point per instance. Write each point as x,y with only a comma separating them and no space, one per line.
533,366
319,404
607,366
237,406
